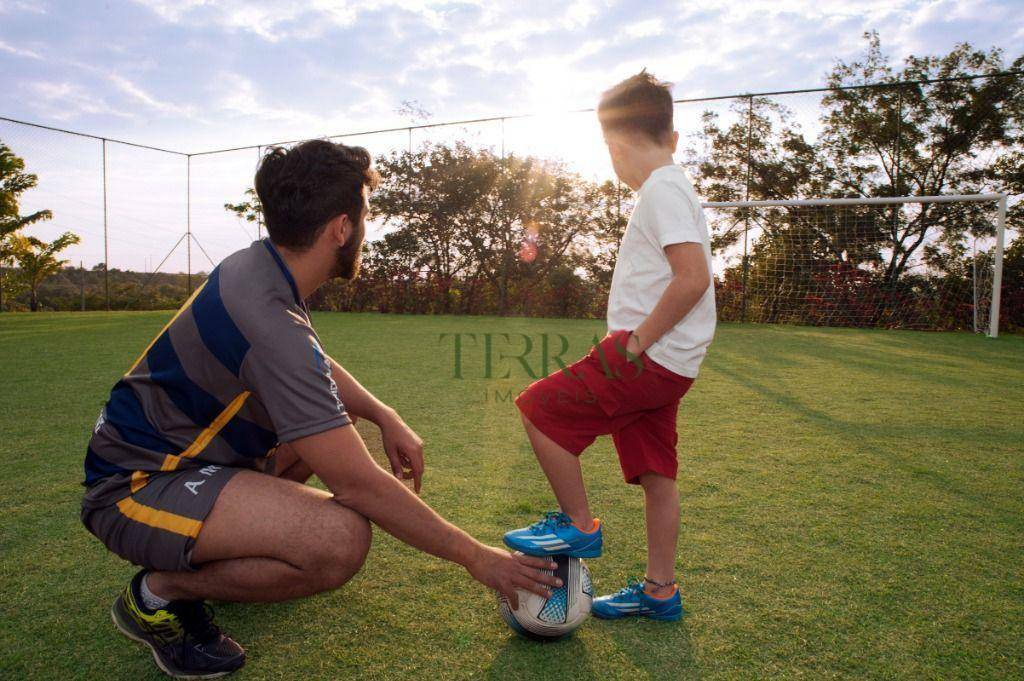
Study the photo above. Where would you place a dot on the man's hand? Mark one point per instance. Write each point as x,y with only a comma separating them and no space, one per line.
503,572
404,449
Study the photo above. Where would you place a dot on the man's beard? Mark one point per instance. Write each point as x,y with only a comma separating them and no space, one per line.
349,259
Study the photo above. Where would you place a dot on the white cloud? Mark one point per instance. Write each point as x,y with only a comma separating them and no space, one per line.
645,28
18,51
63,101
140,96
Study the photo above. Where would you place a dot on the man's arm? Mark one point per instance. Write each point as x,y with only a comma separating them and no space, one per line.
358,400
689,282
403,446
339,458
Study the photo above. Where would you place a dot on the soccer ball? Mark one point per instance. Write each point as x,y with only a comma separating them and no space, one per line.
557,616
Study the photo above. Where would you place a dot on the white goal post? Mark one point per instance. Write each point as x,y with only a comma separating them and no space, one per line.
930,262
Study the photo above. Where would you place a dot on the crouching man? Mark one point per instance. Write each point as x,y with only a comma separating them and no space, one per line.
196,468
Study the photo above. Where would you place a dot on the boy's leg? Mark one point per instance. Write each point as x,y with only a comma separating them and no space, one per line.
564,473
647,453
661,505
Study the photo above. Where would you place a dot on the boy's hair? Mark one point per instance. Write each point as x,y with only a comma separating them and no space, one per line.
640,104
303,188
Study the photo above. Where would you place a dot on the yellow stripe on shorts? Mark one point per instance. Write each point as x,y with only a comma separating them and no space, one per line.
162,520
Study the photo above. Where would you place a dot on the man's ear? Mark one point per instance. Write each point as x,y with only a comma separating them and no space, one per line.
340,229
675,140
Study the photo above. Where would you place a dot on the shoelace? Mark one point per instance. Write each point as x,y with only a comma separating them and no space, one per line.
633,587
551,520
197,621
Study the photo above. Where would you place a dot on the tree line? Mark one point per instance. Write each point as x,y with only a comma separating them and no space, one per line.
469,231
473,232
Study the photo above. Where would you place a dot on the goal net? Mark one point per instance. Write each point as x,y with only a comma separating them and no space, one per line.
926,262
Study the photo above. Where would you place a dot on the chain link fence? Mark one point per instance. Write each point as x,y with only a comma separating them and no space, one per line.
152,222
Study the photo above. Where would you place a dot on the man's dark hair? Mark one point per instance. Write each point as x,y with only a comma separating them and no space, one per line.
640,104
304,187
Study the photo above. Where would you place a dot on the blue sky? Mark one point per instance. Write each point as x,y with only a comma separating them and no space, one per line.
196,75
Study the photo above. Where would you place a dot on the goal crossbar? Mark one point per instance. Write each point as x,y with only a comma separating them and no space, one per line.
999,199
874,200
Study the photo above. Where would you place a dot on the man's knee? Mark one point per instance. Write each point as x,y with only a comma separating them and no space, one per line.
339,553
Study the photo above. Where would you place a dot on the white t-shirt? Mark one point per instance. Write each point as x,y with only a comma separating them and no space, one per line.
667,212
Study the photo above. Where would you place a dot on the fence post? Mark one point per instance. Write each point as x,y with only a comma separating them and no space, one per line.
81,267
997,273
897,163
188,221
899,139
106,243
259,215
746,197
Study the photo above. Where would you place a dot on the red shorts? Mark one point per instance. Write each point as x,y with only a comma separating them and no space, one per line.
634,400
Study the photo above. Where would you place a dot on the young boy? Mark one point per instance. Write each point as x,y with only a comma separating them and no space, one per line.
661,319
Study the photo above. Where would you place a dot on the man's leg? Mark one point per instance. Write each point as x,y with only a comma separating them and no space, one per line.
269,539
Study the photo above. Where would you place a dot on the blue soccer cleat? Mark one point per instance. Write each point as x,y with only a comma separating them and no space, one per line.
632,601
556,535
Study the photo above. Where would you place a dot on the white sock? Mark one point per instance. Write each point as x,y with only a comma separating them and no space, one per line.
150,599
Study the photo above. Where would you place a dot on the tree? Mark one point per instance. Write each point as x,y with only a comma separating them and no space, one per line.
904,137
433,196
37,260
925,139
470,231
249,209
14,181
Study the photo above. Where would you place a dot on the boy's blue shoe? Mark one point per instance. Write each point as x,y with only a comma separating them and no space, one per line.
556,535
632,601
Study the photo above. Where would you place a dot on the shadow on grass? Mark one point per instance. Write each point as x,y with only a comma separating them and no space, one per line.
862,432
639,649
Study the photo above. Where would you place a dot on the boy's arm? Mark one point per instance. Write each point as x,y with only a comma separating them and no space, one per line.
689,282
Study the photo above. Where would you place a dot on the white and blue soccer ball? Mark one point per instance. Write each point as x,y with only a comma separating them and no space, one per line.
558,615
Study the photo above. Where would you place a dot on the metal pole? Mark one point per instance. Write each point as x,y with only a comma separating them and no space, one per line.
997,275
106,243
81,266
899,141
502,138
259,214
897,163
746,218
618,200
869,201
188,221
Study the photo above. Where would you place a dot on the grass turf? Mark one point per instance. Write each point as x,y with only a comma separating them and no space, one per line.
851,499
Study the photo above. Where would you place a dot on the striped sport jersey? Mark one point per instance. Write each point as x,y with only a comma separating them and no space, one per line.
238,370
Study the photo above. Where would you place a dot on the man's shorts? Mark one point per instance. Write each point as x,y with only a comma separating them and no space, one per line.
635,400
156,524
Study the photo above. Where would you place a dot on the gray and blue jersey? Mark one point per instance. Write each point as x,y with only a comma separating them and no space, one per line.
238,370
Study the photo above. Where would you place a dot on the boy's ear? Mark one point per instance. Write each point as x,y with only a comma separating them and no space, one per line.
675,140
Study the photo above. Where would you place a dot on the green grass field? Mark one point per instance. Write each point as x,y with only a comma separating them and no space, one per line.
852,505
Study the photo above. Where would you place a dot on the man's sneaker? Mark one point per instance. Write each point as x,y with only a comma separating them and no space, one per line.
556,535
183,637
632,601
